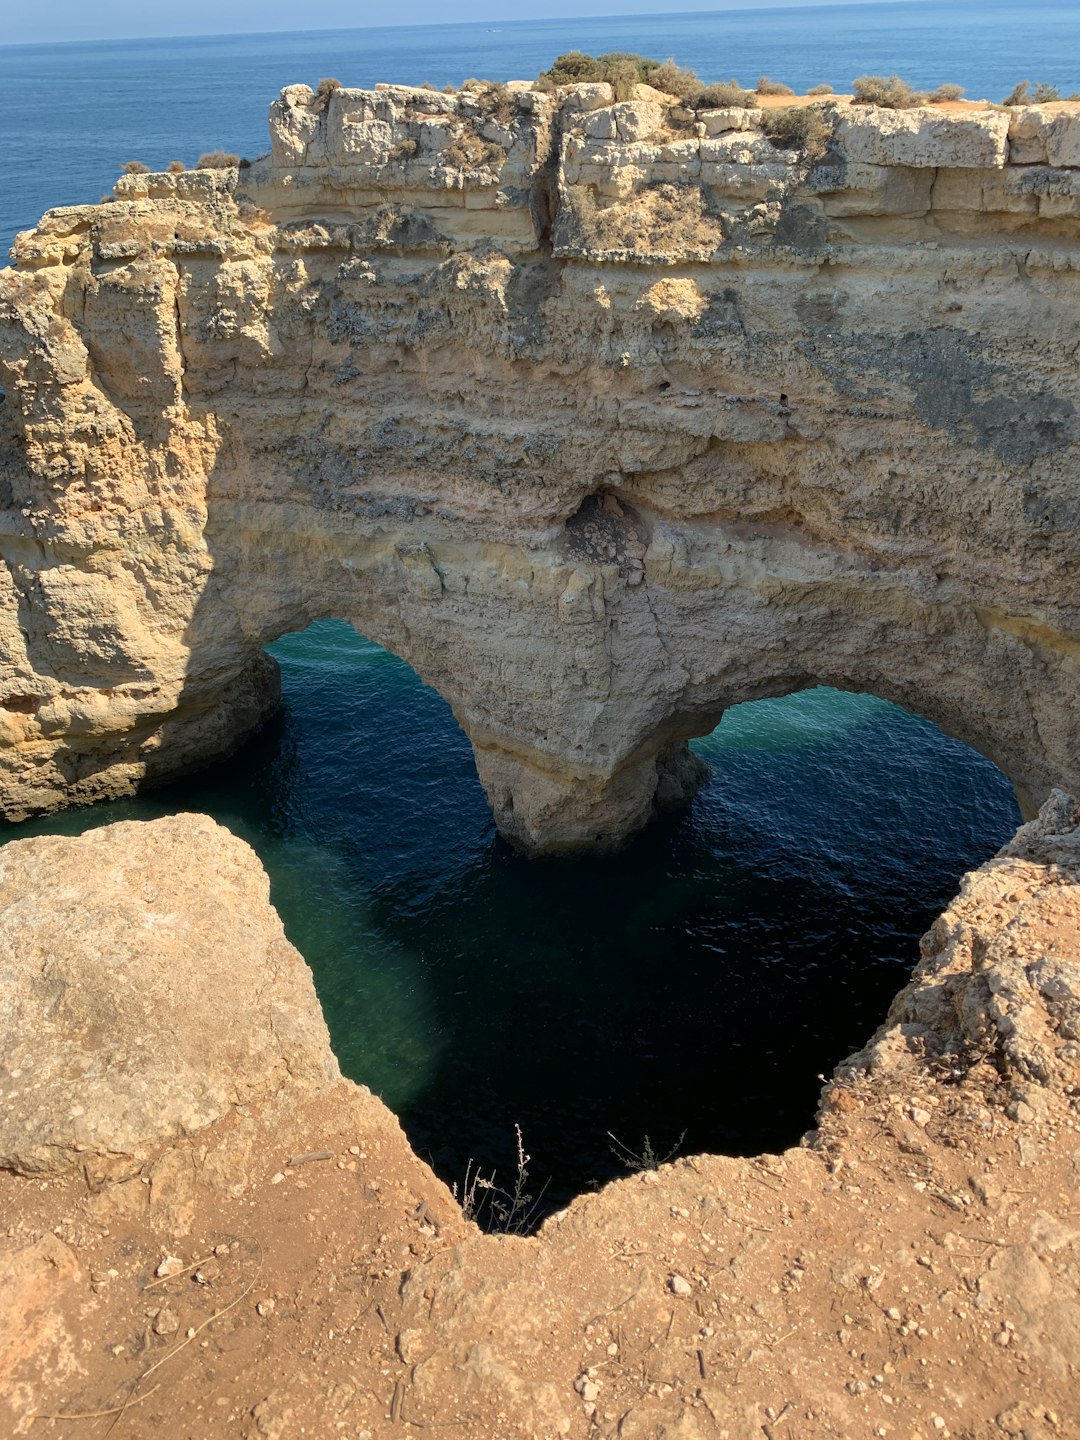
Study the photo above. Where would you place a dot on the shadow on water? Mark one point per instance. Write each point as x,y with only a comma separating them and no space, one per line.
698,982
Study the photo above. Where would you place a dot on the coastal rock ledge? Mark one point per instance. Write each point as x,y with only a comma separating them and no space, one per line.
263,1255
602,416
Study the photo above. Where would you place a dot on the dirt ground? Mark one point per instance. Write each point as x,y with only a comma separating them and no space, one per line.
911,1271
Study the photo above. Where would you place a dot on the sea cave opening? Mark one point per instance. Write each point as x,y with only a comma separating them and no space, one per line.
683,995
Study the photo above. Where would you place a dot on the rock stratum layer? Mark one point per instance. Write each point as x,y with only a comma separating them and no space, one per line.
911,1270
603,416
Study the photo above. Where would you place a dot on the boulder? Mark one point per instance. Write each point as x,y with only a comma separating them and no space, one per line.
153,990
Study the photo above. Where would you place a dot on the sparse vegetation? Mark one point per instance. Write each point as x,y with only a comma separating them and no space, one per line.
801,127
623,72
1025,94
135,167
404,150
888,91
217,160
510,1212
494,99
645,1159
727,94
765,86
468,151
175,167
945,93
821,90
673,79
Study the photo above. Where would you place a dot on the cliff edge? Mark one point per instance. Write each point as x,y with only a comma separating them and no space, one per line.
285,1265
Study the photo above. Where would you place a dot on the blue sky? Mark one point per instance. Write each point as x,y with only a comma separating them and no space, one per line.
110,19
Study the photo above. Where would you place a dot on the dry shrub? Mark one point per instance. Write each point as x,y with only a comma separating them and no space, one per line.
404,150
674,80
175,167
323,91
725,95
944,93
1024,94
622,70
765,86
801,127
821,90
661,219
573,68
468,151
623,74
218,160
135,167
494,99
888,91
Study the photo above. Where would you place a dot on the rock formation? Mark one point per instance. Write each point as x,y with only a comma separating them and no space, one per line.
146,988
603,416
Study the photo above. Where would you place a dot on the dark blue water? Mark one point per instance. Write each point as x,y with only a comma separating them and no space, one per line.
699,981
70,115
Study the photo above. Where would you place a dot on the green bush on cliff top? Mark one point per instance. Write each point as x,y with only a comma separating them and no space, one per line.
888,91
623,71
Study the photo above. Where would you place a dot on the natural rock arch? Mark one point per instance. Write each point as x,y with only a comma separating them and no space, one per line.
618,427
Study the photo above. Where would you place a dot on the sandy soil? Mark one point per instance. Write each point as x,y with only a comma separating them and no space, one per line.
911,1270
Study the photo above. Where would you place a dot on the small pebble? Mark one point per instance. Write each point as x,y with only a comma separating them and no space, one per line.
678,1285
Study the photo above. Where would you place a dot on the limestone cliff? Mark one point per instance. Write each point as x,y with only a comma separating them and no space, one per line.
603,416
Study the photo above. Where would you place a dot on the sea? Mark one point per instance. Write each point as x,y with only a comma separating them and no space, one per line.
688,993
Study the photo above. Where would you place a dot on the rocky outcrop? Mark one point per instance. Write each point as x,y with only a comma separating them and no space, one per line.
999,977
913,1266
146,988
604,416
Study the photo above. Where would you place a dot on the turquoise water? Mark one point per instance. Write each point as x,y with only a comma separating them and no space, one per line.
698,982
70,115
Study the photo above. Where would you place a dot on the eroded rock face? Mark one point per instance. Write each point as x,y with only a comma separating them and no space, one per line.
601,418
146,987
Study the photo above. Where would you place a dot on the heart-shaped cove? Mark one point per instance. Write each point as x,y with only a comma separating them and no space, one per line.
685,994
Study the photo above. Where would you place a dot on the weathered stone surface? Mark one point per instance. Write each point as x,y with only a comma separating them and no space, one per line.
602,435
146,986
1045,135
1000,971
924,137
